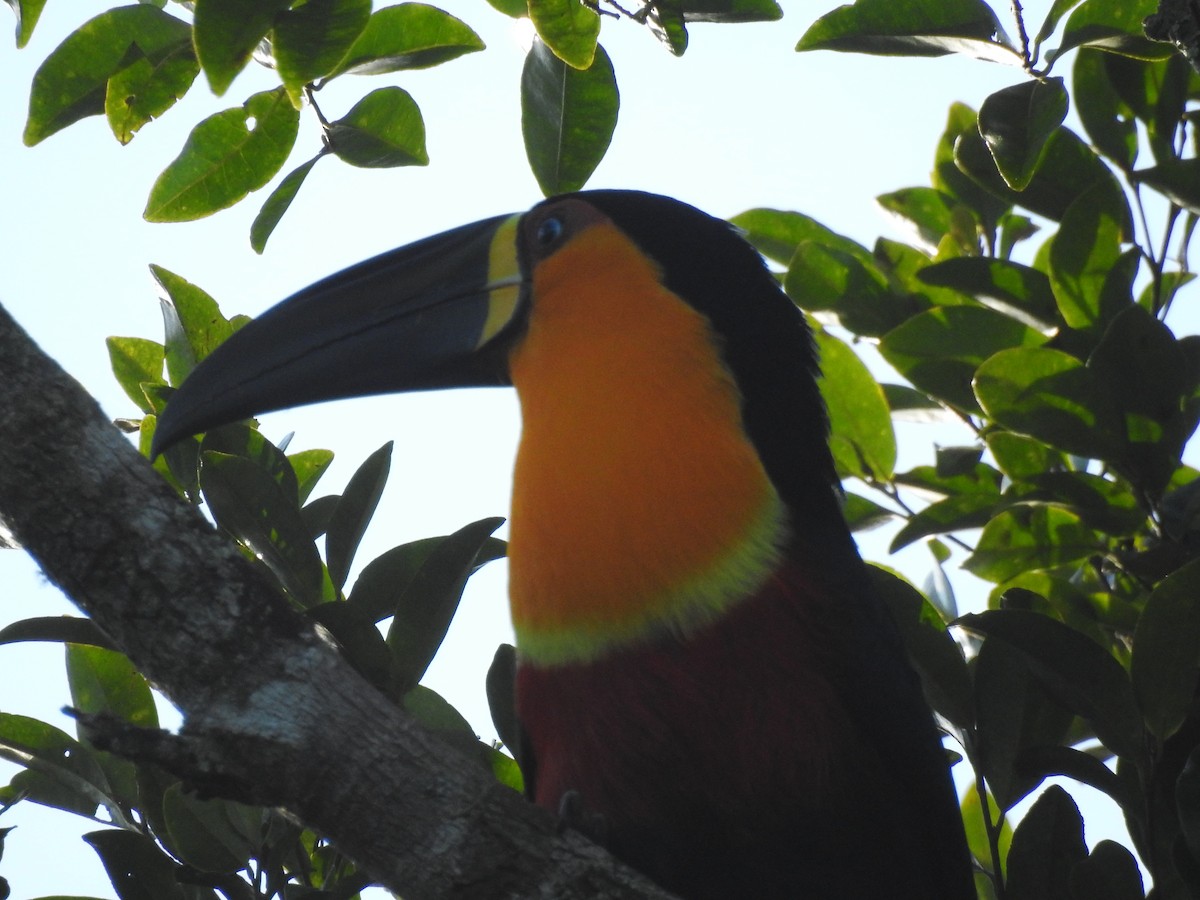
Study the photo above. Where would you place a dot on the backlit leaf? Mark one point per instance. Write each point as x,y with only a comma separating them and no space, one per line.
911,28
383,130
226,34
311,38
1017,121
861,434
1166,651
569,29
73,81
567,116
408,36
226,156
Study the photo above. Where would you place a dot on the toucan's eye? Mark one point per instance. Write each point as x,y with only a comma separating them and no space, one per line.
548,232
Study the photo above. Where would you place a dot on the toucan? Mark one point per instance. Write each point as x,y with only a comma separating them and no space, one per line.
703,667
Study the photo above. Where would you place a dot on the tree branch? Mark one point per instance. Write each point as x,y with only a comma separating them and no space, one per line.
272,713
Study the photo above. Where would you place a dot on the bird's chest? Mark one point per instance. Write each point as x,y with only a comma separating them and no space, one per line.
745,715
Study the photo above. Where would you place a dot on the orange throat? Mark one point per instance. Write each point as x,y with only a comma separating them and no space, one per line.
640,507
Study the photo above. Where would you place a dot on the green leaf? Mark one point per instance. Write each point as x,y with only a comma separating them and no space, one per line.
1102,503
1046,847
1076,671
1016,122
949,179
1112,26
212,835
309,40
1166,651
951,514
569,29
568,116
932,650
136,361
144,90
940,350
977,836
1085,251
928,210
730,11
1109,873
353,513
514,9
427,604
57,629
861,435
309,466
105,681
433,711
1049,395
408,36
248,503
383,130
236,439
1068,168
1019,456
227,32
73,81
136,866
192,323
1007,287
777,234
61,772
820,277
913,28
226,156
27,12
1108,119
1024,538
277,204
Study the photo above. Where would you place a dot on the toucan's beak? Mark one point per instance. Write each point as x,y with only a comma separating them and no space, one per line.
422,317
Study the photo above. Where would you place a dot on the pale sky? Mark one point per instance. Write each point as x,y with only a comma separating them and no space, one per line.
740,121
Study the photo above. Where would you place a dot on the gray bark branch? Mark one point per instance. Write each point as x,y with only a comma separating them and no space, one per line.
271,710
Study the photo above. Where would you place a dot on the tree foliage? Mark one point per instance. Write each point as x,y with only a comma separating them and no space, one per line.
1030,308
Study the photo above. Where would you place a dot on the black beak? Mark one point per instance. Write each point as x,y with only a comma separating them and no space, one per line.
421,317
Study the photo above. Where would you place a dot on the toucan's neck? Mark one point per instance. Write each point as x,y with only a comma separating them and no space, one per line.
640,506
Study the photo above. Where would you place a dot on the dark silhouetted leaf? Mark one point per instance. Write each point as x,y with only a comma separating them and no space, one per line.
137,867
1075,670
277,204
1046,847
862,514
1166,651
357,505
945,516
249,504
427,604
58,629
930,647
1109,873
212,835
1107,118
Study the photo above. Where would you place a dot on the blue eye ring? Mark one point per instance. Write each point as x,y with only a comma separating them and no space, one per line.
549,230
